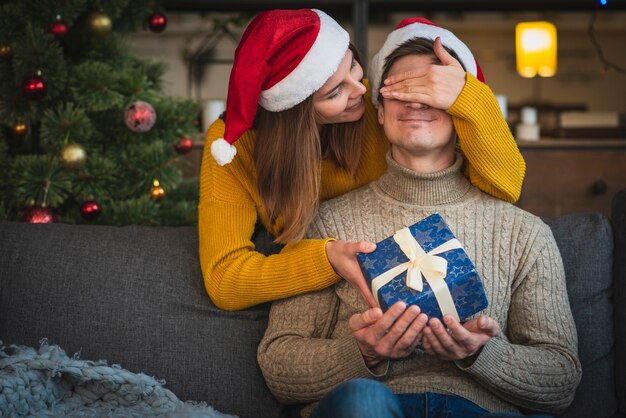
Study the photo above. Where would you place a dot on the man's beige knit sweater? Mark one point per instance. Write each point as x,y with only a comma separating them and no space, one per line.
308,348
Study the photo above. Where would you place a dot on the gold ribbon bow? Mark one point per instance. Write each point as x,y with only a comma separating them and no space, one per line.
421,263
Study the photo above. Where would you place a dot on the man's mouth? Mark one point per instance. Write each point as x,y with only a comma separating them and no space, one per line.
417,118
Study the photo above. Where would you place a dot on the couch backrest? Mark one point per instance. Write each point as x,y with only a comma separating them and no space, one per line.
586,245
618,217
133,296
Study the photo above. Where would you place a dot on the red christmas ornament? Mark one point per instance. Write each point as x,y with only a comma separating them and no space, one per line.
37,215
184,146
59,28
90,210
34,87
157,22
140,116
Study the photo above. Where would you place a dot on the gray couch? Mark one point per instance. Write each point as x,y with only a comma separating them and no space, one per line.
134,296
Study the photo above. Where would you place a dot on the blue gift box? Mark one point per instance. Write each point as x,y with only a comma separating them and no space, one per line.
461,278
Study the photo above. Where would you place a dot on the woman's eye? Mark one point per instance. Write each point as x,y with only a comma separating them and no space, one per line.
335,93
353,64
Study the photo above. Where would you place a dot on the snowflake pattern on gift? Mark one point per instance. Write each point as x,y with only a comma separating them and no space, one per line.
462,278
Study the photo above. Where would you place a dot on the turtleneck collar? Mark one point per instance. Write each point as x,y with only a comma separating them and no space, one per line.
423,189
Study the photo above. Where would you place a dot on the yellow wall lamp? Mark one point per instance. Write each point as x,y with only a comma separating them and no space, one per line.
535,49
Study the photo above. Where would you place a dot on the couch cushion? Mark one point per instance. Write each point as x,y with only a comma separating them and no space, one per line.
133,296
618,216
586,245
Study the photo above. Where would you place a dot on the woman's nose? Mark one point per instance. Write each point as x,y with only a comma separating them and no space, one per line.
358,89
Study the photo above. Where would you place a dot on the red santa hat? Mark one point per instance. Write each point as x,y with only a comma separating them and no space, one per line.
284,56
419,27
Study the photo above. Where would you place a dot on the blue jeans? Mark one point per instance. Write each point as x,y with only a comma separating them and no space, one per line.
365,398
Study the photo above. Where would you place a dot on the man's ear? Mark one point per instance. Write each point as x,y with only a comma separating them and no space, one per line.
381,113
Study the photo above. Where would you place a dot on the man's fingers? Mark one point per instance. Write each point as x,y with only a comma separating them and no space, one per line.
375,318
432,344
413,333
401,325
385,323
488,325
457,332
442,341
365,319
440,330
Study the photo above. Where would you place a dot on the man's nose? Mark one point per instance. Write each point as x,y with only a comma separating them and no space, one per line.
417,106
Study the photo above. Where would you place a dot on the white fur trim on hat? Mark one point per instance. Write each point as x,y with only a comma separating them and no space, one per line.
317,66
222,151
415,30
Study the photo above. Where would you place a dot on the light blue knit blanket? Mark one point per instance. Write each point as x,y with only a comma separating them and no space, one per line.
48,383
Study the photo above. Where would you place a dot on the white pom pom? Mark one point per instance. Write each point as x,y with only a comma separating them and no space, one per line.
222,151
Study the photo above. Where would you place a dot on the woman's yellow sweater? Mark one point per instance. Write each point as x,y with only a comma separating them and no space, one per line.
236,276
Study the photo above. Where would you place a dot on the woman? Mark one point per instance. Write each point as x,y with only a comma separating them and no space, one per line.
316,137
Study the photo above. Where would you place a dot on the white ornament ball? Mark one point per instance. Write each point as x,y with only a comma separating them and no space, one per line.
140,116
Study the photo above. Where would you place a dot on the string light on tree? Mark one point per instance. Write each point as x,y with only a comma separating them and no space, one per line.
157,22
184,146
90,210
34,87
59,28
99,24
19,130
140,116
157,192
6,52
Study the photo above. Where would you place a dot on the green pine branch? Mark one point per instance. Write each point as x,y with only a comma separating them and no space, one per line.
42,179
65,123
90,82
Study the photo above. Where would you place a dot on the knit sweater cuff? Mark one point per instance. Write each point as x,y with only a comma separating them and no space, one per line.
354,363
488,363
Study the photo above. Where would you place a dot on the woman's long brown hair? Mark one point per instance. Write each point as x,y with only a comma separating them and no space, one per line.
288,154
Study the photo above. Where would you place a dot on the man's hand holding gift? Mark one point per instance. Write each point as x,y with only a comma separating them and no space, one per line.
452,340
394,334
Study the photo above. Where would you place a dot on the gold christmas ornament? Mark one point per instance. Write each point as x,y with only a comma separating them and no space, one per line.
73,156
99,24
158,192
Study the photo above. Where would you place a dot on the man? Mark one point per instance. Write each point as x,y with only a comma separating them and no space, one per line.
519,355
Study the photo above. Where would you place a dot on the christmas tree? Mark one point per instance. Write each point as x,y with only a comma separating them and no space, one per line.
86,133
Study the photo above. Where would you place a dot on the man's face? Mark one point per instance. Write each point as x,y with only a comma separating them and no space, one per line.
415,131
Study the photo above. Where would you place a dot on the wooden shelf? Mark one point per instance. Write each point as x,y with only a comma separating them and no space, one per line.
565,176
550,143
